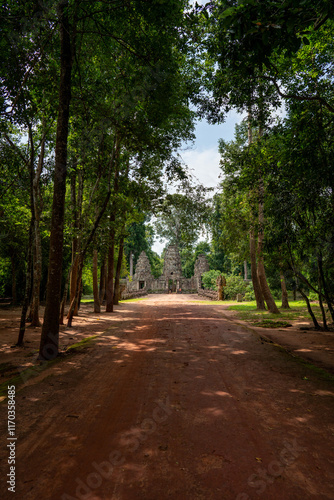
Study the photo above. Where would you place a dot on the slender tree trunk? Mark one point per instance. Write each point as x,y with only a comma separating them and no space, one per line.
103,279
309,308
285,300
110,279
27,292
74,272
324,284
323,312
260,305
95,284
64,299
245,270
118,271
37,270
49,344
75,301
37,237
76,200
260,261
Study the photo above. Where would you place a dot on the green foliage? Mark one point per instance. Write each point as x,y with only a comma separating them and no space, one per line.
87,280
249,293
234,285
209,279
5,277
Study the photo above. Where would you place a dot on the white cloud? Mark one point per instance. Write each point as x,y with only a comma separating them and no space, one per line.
204,165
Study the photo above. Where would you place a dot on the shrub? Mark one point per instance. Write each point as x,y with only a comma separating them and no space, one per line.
249,294
234,285
209,279
313,296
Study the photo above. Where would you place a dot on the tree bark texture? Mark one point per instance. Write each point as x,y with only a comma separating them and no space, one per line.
37,273
64,299
245,270
309,308
49,344
110,278
118,271
260,305
27,291
285,300
324,284
103,279
260,261
97,308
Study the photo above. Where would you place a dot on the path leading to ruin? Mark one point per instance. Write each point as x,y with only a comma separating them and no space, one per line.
175,402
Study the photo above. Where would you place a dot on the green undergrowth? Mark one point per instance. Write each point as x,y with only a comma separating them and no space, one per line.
298,311
132,300
270,323
78,346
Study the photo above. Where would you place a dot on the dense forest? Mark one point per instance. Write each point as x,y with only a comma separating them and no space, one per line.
97,98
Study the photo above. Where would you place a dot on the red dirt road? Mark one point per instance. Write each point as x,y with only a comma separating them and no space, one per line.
173,401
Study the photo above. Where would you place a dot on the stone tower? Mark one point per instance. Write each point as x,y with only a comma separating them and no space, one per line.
143,275
201,265
172,263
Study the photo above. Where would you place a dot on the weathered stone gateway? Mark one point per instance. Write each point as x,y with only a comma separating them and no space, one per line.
171,280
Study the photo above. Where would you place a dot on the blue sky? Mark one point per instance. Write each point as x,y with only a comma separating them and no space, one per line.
203,157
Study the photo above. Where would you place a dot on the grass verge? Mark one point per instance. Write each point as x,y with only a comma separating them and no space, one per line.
298,311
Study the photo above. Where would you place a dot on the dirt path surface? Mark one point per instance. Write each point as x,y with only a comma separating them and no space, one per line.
174,401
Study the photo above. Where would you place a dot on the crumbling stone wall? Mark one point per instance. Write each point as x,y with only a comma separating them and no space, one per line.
171,279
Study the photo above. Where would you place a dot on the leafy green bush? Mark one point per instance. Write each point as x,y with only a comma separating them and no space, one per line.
249,294
313,296
209,279
234,285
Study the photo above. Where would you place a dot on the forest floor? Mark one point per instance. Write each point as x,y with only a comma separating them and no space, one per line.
172,399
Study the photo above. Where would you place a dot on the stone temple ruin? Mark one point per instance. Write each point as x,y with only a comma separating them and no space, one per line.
171,279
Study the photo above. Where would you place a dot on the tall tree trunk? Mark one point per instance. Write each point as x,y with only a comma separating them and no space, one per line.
110,278
118,271
245,270
64,299
27,292
260,305
95,284
309,308
74,272
324,284
74,305
103,279
323,312
285,300
260,261
49,344
76,200
37,236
